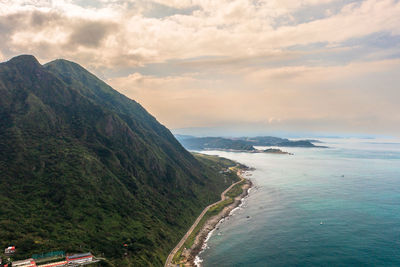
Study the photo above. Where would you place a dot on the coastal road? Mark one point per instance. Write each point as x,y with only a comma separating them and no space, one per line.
168,262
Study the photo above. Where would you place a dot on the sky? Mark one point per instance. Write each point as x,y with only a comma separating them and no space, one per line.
228,66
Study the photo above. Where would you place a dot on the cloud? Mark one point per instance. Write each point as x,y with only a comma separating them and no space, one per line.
337,98
320,74
90,33
176,3
199,62
240,28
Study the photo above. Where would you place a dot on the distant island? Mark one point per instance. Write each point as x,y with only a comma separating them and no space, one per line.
274,151
246,144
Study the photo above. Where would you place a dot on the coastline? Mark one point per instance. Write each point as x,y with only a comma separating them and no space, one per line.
267,151
192,255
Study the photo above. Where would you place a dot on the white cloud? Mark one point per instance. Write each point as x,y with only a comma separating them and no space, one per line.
248,69
176,3
340,96
219,28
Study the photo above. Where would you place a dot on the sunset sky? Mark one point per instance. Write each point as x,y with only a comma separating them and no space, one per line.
255,66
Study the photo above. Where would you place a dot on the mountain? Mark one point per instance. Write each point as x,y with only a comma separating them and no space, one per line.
280,142
84,168
242,143
199,143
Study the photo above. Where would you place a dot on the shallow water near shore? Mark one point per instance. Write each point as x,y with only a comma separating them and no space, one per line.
319,207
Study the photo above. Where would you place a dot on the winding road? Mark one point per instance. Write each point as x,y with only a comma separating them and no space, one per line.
168,262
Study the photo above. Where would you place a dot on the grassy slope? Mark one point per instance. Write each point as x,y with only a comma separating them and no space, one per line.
84,168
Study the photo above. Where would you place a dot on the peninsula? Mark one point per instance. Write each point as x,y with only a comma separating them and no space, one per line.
247,144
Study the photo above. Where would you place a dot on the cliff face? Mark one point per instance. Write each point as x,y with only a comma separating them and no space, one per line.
85,168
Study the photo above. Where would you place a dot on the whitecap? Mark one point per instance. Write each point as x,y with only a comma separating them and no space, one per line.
197,261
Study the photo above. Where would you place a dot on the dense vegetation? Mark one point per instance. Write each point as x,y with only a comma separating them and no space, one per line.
242,143
83,168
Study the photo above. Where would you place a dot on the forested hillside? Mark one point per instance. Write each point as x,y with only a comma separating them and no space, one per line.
84,168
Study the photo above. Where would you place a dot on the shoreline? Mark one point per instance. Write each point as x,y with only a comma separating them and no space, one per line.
192,255
266,151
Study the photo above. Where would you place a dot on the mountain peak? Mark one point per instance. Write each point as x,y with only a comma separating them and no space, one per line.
78,152
25,59
69,69
63,62
24,63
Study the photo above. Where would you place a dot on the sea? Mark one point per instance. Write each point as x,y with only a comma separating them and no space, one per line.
336,206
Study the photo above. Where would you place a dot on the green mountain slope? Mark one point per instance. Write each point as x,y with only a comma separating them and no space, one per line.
82,168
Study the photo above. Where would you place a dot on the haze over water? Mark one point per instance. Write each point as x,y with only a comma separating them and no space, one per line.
319,207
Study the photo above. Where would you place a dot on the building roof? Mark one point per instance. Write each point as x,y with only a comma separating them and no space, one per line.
27,262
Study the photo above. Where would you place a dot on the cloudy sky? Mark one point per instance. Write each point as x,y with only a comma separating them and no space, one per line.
325,66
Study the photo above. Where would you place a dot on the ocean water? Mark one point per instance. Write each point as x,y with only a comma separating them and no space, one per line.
338,206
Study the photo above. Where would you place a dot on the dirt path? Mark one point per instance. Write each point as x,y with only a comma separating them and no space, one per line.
168,262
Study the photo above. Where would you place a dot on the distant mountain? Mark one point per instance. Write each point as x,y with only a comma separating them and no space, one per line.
84,168
241,143
215,143
280,142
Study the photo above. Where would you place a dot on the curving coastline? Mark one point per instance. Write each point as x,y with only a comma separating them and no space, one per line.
181,255
191,255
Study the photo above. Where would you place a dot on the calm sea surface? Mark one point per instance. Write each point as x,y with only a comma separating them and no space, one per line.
320,207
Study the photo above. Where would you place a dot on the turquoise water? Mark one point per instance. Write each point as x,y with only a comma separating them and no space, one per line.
320,207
